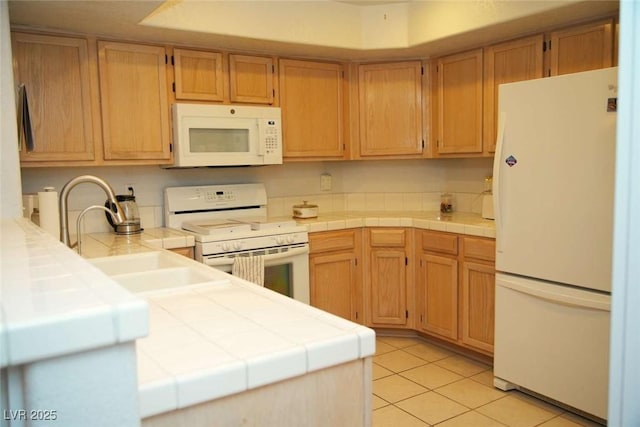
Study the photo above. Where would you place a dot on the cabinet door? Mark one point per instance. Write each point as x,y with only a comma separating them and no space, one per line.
505,63
55,72
251,79
388,287
581,48
390,109
437,288
333,279
458,106
311,97
198,75
478,305
133,90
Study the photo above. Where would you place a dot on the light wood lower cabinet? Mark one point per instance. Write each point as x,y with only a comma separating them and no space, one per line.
388,286
186,251
455,280
477,292
335,273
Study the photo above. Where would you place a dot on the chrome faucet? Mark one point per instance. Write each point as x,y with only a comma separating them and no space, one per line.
118,216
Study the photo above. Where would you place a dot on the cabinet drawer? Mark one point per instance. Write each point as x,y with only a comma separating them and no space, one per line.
333,241
484,249
388,238
440,242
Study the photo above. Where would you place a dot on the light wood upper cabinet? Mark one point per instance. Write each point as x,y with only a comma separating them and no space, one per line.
251,79
457,104
61,98
198,75
581,48
507,62
135,112
335,273
311,98
390,104
388,287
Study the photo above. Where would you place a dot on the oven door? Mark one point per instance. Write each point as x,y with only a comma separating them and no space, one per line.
286,268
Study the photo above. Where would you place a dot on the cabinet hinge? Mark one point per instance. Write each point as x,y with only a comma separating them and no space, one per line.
274,92
406,261
423,144
173,86
342,74
356,260
344,147
549,44
273,69
173,60
171,148
356,315
166,58
437,68
406,313
422,71
544,46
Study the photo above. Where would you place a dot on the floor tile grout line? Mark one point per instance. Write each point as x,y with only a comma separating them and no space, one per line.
562,412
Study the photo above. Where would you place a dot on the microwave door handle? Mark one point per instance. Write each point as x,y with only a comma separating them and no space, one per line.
261,139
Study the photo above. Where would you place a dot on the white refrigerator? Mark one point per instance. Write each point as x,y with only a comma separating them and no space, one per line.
553,204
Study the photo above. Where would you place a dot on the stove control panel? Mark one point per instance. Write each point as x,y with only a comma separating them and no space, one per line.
216,195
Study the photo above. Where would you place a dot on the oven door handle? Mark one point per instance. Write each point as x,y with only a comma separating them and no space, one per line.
217,262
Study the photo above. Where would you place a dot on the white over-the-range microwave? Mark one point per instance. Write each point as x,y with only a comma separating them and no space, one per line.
226,135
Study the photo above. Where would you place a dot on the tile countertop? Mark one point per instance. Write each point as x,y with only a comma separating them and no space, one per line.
95,245
459,222
197,342
54,303
213,340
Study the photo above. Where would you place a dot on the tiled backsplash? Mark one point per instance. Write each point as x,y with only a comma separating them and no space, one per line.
425,201
152,216
383,185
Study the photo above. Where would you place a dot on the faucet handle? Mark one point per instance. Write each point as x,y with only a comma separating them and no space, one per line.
130,191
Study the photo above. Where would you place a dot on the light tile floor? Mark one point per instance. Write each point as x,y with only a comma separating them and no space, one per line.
418,384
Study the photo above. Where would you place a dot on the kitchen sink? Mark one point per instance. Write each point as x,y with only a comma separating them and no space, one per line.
135,263
156,270
165,278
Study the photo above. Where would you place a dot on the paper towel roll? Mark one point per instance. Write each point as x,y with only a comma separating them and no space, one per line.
49,214
29,202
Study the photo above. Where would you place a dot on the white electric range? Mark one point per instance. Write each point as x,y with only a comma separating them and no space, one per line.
230,220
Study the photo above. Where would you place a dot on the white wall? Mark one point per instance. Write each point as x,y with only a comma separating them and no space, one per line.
286,184
10,199
624,372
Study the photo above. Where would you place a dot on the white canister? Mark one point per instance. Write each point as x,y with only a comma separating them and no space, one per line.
305,210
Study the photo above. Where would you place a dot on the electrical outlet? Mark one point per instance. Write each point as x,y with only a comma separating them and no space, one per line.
325,182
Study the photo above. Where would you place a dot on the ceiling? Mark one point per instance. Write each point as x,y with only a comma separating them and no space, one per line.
121,20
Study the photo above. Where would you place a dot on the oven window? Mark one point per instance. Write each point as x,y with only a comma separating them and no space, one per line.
218,140
279,278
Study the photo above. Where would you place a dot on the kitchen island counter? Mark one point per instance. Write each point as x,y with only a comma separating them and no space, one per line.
219,345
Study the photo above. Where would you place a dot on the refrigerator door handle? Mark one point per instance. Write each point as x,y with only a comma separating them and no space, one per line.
558,298
497,181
